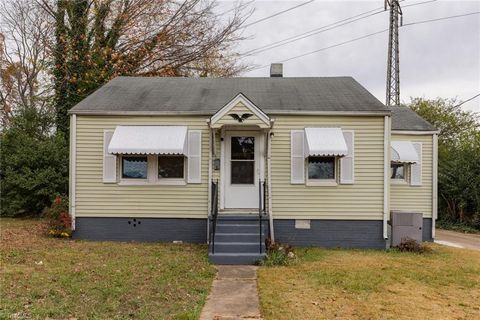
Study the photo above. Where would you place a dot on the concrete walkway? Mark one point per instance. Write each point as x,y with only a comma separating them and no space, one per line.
457,239
234,294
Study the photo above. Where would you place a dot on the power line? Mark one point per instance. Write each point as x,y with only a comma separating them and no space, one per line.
465,101
325,48
364,37
277,14
307,34
322,29
439,19
235,7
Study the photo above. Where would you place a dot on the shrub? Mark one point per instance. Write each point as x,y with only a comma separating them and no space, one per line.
59,220
410,245
33,165
278,254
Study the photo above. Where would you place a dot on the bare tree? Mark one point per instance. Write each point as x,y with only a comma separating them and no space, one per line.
96,40
24,49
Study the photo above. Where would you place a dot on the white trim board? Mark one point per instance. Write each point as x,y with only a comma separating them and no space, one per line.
73,167
386,175
259,164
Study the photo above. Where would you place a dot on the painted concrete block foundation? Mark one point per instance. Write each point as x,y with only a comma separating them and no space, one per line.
332,233
142,229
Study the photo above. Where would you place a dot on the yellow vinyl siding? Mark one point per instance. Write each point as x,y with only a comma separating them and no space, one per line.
239,109
415,198
96,199
362,200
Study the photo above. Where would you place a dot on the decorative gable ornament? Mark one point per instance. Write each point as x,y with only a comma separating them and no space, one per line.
240,118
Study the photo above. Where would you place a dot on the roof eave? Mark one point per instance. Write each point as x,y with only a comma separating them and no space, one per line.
207,113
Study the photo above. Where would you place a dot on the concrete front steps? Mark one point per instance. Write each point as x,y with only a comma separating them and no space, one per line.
237,240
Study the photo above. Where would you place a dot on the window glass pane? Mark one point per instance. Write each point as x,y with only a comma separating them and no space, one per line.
134,167
242,172
321,168
243,148
398,171
171,166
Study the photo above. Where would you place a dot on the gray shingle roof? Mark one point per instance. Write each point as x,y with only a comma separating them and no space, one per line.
207,95
405,119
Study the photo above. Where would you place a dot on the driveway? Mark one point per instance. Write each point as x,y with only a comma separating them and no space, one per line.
457,239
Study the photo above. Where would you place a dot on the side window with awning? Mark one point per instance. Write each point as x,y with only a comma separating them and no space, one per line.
323,147
152,154
406,157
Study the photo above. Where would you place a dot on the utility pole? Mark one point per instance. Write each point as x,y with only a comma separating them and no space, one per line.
393,63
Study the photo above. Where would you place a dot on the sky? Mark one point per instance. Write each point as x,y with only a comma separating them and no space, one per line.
437,59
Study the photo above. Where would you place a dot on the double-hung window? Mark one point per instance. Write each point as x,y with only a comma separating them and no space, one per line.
398,172
171,167
134,167
321,168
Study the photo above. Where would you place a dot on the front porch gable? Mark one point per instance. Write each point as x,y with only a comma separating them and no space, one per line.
240,111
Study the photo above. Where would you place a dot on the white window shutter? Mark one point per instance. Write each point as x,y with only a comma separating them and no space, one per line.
347,163
416,168
109,160
297,165
194,153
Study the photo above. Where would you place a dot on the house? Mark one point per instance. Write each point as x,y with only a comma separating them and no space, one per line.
305,161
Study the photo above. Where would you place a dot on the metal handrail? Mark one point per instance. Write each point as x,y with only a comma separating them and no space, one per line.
214,214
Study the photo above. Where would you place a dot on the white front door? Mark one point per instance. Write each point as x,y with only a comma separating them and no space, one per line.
242,169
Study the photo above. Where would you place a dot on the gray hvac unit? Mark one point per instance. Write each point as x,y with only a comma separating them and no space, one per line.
406,225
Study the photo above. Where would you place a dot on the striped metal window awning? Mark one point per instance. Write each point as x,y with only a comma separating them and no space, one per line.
149,140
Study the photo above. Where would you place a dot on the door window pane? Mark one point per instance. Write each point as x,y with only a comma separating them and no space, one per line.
321,168
243,148
171,166
242,172
134,167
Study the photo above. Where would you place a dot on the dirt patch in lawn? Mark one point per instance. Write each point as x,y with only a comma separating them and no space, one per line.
44,277
354,284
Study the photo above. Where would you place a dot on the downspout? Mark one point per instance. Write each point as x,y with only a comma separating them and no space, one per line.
209,180
434,183
73,167
386,182
269,180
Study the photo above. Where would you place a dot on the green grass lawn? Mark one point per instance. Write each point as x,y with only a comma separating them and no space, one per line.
362,284
43,277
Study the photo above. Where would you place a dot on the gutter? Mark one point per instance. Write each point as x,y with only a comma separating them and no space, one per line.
210,113
410,132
